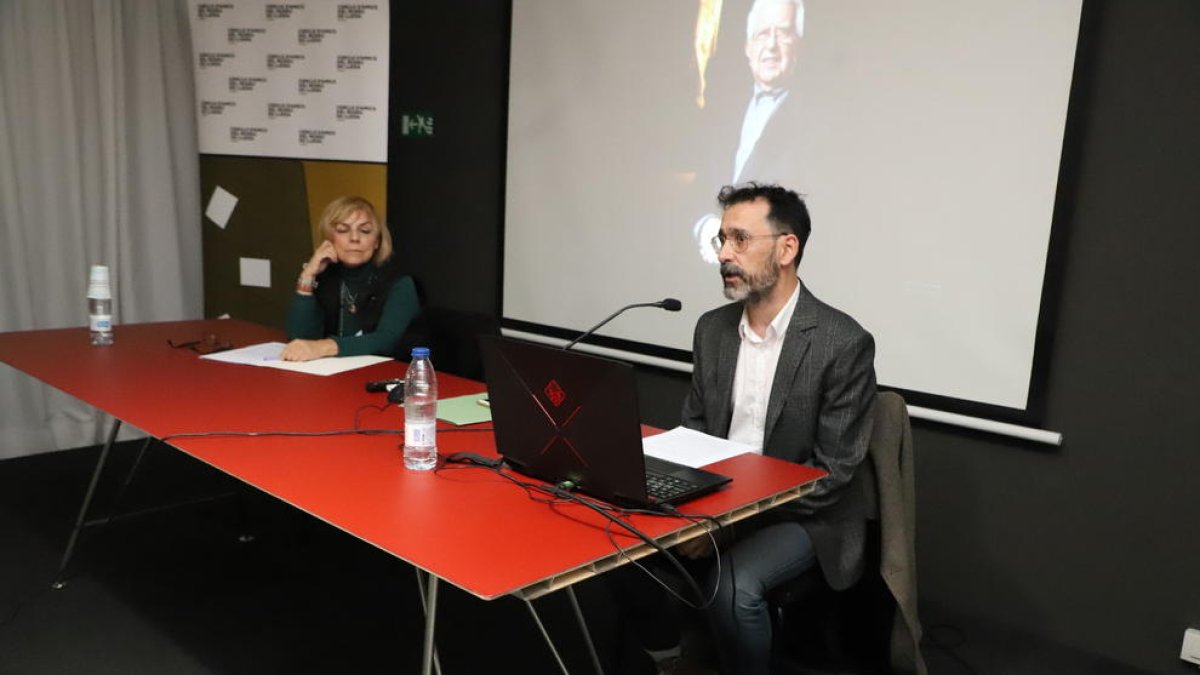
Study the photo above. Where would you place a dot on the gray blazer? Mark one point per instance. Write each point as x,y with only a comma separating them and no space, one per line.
892,458
819,413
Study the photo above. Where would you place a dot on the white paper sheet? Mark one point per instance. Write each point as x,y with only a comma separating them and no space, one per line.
254,355
692,448
267,354
331,365
220,207
255,272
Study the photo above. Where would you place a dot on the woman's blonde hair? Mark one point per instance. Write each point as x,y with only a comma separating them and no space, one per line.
342,207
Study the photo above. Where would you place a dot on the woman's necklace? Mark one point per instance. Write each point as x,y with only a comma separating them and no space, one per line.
349,300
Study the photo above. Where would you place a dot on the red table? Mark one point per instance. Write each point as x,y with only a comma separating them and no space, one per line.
466,526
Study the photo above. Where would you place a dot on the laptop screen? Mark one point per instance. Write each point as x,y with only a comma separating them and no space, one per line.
566,416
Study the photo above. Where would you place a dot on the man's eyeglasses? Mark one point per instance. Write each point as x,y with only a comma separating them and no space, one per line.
206,345
739,240
784,35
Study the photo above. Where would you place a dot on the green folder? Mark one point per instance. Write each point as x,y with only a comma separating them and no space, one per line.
462,410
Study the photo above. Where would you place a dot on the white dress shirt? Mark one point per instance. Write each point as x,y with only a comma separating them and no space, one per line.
757,358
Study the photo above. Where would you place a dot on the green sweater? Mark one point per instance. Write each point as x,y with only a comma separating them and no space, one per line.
306,319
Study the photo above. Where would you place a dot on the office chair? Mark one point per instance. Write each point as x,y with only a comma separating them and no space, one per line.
452,338
872,627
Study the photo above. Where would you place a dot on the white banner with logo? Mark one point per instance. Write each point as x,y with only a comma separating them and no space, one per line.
306,80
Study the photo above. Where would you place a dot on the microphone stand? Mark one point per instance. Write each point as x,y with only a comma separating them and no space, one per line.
612,316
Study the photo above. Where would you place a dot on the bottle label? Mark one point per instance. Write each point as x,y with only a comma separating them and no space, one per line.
100,323
420,434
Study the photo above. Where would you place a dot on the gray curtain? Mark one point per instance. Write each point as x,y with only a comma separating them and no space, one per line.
98,165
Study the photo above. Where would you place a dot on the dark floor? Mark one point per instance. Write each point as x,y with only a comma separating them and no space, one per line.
176,592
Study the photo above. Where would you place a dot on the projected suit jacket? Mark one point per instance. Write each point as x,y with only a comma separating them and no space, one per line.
819,413
775,157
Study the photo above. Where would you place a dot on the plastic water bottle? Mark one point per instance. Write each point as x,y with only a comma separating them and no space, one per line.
420,412
99,297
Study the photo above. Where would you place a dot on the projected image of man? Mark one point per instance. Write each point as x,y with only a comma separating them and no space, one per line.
785,373
769,124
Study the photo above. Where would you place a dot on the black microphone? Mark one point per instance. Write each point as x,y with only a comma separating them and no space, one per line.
376,386
669,304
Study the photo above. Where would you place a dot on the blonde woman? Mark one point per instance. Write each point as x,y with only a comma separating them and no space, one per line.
351,298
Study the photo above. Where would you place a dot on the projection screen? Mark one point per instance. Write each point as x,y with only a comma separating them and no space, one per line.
925,135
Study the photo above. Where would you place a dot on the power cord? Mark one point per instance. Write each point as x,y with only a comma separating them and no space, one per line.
703,604
948,644
667,555
20,604
562,493
335,432
356,430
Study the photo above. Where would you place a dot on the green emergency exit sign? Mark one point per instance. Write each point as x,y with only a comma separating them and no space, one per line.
416,125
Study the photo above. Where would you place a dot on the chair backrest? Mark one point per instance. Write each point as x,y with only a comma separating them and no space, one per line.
452,338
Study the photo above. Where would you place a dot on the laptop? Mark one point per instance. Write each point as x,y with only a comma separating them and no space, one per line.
567,416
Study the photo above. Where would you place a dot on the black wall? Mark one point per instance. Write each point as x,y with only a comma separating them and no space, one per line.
450,59
1096,544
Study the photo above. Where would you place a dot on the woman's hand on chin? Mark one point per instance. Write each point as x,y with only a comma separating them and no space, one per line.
321,258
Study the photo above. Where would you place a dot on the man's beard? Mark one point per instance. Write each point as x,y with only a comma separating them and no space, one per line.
754,288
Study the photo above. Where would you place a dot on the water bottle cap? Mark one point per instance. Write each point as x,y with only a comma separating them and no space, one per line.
98,283
98,274
420,352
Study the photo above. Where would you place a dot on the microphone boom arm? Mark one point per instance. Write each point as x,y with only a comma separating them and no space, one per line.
669,304
612,316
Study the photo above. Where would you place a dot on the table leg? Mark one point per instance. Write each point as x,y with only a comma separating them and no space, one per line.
587,635
137,462
59,581
247,535
429,655
546,636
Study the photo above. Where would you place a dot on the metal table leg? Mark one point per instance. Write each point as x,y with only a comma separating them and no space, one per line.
60,580
546,636
587,635
137,462
429,658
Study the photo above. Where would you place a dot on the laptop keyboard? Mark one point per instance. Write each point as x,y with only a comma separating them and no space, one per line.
665,487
